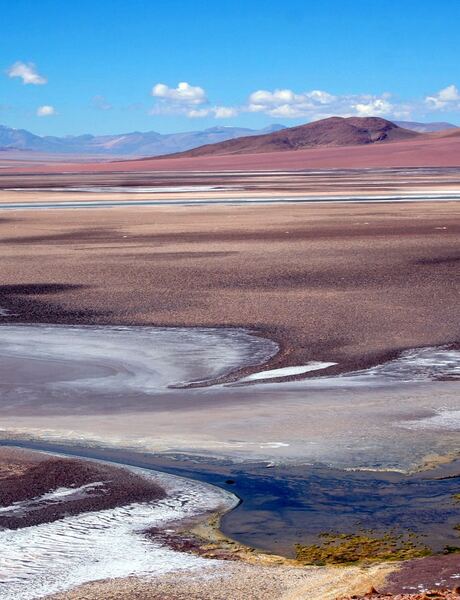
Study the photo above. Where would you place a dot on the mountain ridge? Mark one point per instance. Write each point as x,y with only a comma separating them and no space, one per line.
332,131
136,143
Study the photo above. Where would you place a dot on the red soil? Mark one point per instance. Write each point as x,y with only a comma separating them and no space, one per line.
429,595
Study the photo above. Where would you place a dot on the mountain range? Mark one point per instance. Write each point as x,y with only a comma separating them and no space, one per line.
134,144
425,127
152,143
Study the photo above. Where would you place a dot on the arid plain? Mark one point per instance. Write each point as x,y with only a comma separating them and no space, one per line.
352,282
348,270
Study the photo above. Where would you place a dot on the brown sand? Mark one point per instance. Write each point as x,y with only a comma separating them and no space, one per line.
347,283
32,474
14,462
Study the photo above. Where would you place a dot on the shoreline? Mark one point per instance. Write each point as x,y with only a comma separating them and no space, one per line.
118,386
216,553
242,524
77,532
221,554
203,538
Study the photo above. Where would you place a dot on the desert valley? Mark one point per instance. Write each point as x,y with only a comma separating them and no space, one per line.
229,354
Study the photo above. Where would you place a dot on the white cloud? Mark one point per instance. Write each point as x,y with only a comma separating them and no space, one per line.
27,72
183,94
191,101
286,103
188,100
446,99
317,104
46,111
374,107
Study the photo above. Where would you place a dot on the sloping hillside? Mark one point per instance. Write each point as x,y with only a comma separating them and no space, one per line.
334,131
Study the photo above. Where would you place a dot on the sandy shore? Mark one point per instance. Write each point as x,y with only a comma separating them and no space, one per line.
238,582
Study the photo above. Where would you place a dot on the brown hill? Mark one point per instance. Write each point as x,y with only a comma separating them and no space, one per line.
334,131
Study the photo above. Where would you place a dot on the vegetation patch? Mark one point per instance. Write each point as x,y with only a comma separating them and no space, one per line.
366,546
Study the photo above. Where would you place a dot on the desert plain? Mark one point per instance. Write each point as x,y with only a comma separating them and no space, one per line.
349,270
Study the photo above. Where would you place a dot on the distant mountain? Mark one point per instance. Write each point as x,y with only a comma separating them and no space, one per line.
425,127
137,143
20,139
334,131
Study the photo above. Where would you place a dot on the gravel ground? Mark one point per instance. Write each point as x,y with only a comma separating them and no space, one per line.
236,582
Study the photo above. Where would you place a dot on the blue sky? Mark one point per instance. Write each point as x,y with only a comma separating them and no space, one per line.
116,65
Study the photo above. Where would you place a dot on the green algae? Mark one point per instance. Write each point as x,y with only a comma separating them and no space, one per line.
349,548
453,549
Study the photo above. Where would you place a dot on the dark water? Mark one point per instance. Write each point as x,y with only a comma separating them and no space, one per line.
286,505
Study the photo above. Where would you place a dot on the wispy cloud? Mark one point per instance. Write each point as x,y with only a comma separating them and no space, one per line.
46,111
224,112
27,72
446,99
101,103
218,112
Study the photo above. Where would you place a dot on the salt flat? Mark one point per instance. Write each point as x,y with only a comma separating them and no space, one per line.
127,387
